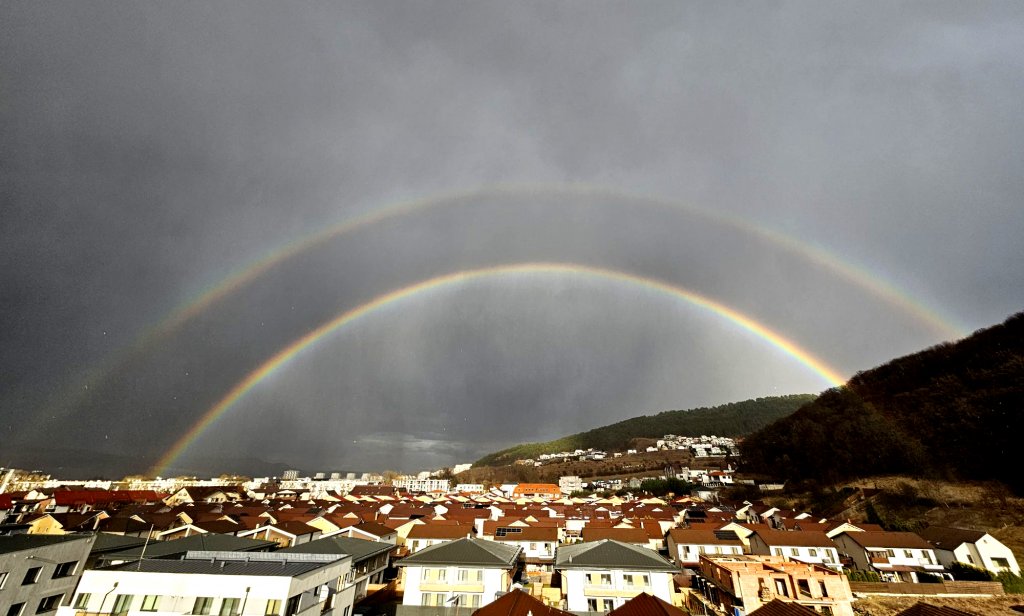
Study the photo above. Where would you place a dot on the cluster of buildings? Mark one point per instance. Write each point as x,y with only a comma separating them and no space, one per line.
699,446
270,549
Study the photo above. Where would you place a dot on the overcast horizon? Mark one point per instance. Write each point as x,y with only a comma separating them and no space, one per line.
654,207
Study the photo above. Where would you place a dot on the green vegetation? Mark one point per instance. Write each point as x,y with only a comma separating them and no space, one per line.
663,487
735,419
952,411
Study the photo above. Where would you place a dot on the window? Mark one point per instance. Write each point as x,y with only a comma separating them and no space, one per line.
824,590
828,556
48,604
777,551
804,586
591,605
292,607
229,606
65,569
3,579
780,588
202,606
908,553
15,609
150,602
122,603
794,552
606,579
1000,563
646,579
31,576
812,552
608,605
474,600
82,600
427,598
533,546
826,610
890,553
273,607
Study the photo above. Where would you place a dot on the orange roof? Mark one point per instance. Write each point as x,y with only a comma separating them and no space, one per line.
537,488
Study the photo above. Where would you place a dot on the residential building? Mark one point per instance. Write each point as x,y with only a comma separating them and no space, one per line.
973,547
895,556
370,559
223,583
38,572
425,535
472,572
805,546
685,545
602,575
570,484
742,584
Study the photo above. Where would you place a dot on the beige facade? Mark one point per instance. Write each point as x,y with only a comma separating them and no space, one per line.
748,582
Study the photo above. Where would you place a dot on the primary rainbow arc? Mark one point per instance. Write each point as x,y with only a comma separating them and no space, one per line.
829,374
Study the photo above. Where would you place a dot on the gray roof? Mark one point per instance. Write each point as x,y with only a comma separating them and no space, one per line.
610,554
275,568
358,549
202,541
466,551
17,543
108,542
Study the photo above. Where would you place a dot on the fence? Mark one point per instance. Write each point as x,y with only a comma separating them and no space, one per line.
943,588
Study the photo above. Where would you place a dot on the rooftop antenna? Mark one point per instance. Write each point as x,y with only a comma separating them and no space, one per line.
142,555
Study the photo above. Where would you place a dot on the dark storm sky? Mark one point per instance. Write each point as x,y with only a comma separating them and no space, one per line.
150,150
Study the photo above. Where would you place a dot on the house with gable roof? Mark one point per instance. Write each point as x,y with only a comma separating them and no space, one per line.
895,556
685,545
805,546
603,575
973,547
471,572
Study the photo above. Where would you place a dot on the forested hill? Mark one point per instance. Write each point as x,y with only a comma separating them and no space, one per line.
955,410
735,419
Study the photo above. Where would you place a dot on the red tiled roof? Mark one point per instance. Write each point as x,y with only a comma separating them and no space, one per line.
626,535
783,608
518,603
646,605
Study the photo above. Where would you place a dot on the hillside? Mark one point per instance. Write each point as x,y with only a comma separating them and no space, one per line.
951,411
734,419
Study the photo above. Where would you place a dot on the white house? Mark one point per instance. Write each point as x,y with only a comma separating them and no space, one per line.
812,547
895,556
473,572
602,575
223,583
973,547
685,545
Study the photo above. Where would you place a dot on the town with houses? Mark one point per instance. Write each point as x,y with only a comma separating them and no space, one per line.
341,544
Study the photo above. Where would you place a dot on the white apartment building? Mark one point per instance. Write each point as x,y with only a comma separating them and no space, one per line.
222,583
600,576
473,571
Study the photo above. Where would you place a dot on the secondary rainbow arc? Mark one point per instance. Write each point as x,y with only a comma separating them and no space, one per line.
829,374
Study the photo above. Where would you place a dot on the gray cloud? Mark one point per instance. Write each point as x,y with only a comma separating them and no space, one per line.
147,151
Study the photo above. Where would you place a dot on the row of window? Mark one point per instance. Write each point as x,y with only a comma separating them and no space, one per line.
630,579
826,554
46,604
203,606
440,599
32,575
466,576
